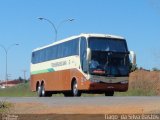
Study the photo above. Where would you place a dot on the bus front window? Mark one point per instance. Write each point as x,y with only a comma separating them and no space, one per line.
109,57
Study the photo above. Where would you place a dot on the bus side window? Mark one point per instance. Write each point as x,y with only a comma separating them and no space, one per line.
83,54
33,58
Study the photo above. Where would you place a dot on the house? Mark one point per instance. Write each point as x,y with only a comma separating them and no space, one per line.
9,83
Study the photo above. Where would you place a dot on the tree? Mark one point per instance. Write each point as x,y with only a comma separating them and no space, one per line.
20,78
155,69
133,67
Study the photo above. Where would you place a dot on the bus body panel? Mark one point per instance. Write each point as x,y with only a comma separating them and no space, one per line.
54,81
61,81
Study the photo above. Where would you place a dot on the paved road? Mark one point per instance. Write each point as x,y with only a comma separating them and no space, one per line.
83,100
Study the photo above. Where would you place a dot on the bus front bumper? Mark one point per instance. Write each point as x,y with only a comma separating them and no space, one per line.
108,83
109,87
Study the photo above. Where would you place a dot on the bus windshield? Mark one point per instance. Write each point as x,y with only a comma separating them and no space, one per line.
110,57
107,44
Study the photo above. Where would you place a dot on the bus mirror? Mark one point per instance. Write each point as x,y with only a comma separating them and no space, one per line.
88,54
133,57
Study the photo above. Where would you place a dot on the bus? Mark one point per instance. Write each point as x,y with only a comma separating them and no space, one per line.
86,63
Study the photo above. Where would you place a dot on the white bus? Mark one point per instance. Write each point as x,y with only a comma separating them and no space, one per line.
87,63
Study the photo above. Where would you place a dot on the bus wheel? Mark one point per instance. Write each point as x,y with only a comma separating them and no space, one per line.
45,93
43,90
109,93
75,90
39,91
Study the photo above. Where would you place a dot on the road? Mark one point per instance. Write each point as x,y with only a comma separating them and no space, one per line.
86,105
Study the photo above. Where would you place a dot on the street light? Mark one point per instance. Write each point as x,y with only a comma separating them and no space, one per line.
6,52
53,25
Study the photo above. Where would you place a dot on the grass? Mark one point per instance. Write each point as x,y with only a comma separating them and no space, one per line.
136,92
5,106
23,90
130,92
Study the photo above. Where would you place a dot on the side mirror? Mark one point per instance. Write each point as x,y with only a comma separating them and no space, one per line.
133,57
88,54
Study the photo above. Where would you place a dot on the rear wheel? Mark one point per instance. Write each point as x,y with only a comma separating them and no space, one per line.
39,91
75,90
45,93
109,93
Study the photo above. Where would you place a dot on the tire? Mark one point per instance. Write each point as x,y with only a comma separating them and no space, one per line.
45,93
75,91
39,91
109,93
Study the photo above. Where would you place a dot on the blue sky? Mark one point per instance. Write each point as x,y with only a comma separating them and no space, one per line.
137,20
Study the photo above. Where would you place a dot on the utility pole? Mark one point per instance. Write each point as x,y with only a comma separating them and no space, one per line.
24,74
6,55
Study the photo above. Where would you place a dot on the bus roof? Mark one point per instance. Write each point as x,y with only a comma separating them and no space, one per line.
81,35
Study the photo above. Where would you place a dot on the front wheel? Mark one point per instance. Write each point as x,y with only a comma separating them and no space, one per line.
75,91
109,93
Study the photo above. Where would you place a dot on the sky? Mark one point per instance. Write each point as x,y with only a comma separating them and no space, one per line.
136,20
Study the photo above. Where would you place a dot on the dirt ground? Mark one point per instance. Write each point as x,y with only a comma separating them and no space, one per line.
37,108
39,111
146,80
